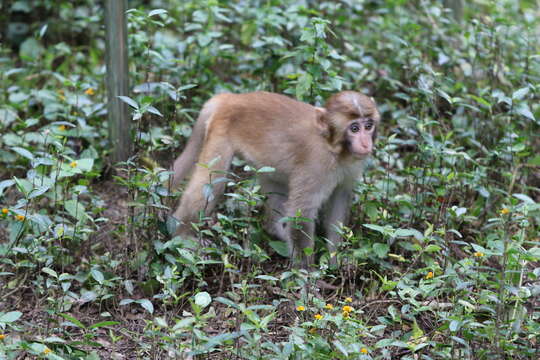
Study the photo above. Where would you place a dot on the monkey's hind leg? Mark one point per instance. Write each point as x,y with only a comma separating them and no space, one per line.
214,161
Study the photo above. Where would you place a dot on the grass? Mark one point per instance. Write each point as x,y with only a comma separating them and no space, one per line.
441,259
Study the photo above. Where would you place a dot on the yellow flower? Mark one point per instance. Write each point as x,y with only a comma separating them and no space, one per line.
73,164
2,336
62,127
318,316
364,350
429,275
329,306
20,217
504,211
47,351
347,308
5,211
478,254
89,91
348,299
300,308
345,314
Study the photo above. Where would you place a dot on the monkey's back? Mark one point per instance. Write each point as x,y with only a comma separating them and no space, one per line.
267,129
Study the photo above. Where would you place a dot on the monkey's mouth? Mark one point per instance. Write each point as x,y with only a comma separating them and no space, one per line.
360,155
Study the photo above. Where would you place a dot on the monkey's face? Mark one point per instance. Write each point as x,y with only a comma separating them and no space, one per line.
359,137
351,121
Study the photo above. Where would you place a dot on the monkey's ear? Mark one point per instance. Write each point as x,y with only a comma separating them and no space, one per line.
321,119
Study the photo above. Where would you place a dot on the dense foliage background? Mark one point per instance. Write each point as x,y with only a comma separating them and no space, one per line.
441,259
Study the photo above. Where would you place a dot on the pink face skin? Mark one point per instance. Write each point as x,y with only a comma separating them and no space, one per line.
360,137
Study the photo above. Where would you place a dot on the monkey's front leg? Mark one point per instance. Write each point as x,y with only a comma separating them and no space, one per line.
276,194
336,213
302,207
301,233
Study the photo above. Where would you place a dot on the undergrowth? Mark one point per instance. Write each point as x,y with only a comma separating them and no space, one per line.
440,261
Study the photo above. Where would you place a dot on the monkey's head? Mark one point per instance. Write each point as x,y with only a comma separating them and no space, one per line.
349,120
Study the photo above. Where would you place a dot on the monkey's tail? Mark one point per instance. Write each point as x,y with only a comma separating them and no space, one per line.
184,163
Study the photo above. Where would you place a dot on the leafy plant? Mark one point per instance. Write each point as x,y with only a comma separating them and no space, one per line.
440,259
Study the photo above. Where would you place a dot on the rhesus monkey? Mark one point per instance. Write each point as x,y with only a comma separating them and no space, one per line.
317,154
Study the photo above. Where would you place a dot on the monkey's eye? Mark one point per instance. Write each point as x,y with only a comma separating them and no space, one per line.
354,128
369,125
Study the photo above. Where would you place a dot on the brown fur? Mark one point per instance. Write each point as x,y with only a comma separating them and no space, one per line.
312,150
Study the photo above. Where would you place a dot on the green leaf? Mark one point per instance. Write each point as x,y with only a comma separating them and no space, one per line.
147,305
535,161
432,248
409,232
38,191
18,97
154,111
481,101
23,152
186,87
50,272
5,184
203,39
76,210
372,210
520,94
381,250
10,317
103,324
85,165
160,321
74,321
467,304
523,197
303,85
80,166
454,325
534,251
227,302
383,343
266,320
43,30
184,323
378,228
88,296
157,12
23,185
308,251
97,275
524,110
340,347
7,116
31,49
129,101
203,299
280,247
266,277
399,343
54,340
458,211
416,331
266,169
